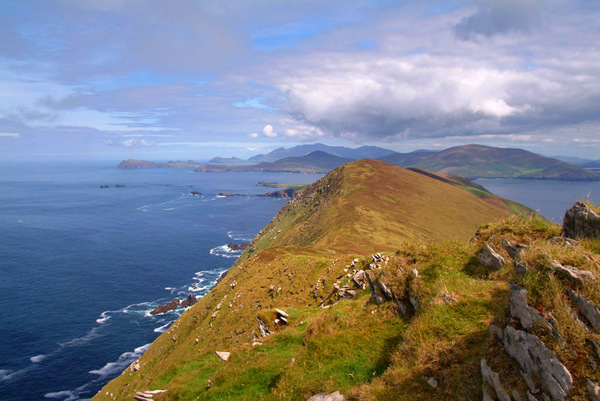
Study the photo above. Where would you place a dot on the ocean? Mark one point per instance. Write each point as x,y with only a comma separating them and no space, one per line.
82,266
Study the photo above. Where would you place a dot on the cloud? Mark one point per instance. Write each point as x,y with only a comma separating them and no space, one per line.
253,135
269,132
9,135
129,143
502,17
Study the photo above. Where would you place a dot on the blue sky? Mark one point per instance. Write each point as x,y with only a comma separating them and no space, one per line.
182,79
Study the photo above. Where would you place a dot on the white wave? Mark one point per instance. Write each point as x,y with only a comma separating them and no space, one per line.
79,341
169,208
38,358
225,252
6,375
67,395
125,359
163,328
143,208
103,317
238,236
195,288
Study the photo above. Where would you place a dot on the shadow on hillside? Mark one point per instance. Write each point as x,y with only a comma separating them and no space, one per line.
474,269
450,360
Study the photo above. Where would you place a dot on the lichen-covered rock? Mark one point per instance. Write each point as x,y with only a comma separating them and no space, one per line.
262,328
519,308
335,396
493,379
490,258
536,359
587,308
581,221
514,250
572,274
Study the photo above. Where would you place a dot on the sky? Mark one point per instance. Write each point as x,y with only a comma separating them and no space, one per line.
183,79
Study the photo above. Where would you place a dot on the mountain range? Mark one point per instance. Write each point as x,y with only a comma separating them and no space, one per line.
383,283
469,161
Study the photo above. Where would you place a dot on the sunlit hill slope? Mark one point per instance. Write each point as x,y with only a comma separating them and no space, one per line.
368,283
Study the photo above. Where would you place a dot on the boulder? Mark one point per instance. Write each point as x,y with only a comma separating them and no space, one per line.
587,308
493,379
432,382
335,396
581,221
514,250
490,259
223,355
537,360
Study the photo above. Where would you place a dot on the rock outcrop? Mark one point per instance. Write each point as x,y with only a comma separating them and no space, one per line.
174,304
189,301
539,362
490,258
581,221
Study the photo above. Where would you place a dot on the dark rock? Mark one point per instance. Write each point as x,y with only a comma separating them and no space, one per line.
581,221
536,359
514,250
174,304
282,193
520,268
196,193
490,259
228,195
237,247
189,301
120,186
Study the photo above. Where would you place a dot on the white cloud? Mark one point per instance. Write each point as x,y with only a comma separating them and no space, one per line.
129,143
269,132
9,135
253,135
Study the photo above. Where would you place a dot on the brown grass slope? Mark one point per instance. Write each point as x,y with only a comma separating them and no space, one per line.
369,204
297,262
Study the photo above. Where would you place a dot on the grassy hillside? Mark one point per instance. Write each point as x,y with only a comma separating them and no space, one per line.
437,325
477,161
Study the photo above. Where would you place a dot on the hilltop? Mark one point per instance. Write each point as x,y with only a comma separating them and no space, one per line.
369,282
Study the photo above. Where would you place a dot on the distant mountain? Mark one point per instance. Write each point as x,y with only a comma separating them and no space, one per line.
226,160
576,161
591,164
364,152
315,162
478,161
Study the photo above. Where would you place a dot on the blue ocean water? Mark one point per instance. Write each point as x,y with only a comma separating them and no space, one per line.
551,198
81,266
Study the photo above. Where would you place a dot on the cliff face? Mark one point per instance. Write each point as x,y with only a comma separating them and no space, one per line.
365,283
